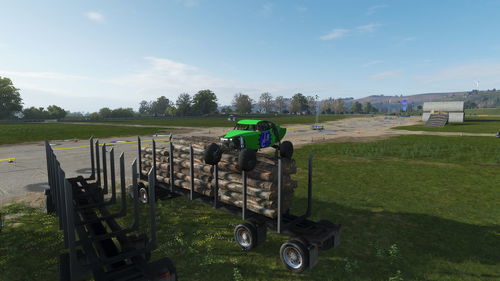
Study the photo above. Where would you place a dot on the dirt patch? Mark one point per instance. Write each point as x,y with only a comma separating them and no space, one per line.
33,199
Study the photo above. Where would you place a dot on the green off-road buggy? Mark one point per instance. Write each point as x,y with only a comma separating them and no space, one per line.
247,137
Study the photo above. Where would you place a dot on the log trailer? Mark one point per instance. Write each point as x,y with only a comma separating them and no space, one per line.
97,246
307,236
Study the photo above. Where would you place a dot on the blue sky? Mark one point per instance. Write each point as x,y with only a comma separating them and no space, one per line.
84,55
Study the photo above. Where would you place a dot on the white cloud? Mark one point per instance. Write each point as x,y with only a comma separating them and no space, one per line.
373,9
266,9
373,62
301,9
334,34
3,45
95,17
386,74
482,71
369,27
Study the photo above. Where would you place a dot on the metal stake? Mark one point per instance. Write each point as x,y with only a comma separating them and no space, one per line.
191,171
244,210
104,169
280,187
216,179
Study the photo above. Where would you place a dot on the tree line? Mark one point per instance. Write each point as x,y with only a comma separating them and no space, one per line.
204,102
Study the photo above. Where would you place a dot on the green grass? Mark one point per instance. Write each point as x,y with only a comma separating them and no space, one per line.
412,208
474,124
223,122
483,111
18,133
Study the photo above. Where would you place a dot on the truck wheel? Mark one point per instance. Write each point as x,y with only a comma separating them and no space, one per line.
245,235
286,149
143,194
247,159
212,154
294,255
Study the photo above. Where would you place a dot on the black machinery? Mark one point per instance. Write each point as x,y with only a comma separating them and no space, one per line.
297,254
97,246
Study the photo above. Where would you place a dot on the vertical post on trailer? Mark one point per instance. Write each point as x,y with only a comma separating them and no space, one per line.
244,210
152,213
171,164
280,187
122,183
104,169
191,171
98,163
139,162
50,191
136,195
92,159
309,187
154,162
113,174
216,189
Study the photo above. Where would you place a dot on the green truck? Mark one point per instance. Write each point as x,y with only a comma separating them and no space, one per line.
247,137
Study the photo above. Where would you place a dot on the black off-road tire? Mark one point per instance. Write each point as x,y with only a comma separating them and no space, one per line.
247,159
286,149
212,154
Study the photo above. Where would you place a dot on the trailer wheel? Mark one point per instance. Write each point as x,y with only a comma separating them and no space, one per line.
247,159
64,268
143,194
286,149
294,255
212,154
245,235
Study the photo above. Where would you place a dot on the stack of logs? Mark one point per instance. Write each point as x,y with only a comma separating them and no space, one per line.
262,182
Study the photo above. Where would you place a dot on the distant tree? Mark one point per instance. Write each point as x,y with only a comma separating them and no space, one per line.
419,107
299,103
279,103
327,105
356,107
171,111
367,107
105,112
10,99
159,106
266,102
338,106
94,116
35,113
56,112
243,103
145,107
184,104
226,110
205,102
122,112
470,105
312,104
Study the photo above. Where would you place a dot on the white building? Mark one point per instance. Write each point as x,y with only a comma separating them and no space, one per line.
454,109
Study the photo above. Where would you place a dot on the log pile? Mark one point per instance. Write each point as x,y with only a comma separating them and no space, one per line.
262,182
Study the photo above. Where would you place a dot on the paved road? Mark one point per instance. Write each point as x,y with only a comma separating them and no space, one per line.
27,173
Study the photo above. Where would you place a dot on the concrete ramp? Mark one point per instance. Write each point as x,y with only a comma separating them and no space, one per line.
437,120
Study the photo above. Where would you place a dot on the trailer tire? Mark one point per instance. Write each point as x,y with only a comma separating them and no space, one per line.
247,159
245,235
212,154
286,149
64,267
294,255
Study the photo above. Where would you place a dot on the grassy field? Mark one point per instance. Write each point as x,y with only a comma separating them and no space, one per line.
472,124
18,133
483,111
412,208
223,122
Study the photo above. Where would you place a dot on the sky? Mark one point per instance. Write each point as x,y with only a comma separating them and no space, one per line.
85,55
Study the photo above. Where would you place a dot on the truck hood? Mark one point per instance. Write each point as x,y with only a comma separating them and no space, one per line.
240,133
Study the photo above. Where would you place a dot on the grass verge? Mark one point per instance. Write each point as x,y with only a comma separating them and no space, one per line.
412,208
18,133
487,125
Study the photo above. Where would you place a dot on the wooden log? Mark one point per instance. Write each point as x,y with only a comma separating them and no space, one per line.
254,208
236,196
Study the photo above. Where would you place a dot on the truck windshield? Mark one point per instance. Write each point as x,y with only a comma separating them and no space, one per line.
244,127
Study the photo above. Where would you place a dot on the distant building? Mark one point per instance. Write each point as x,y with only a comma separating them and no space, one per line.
454,109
